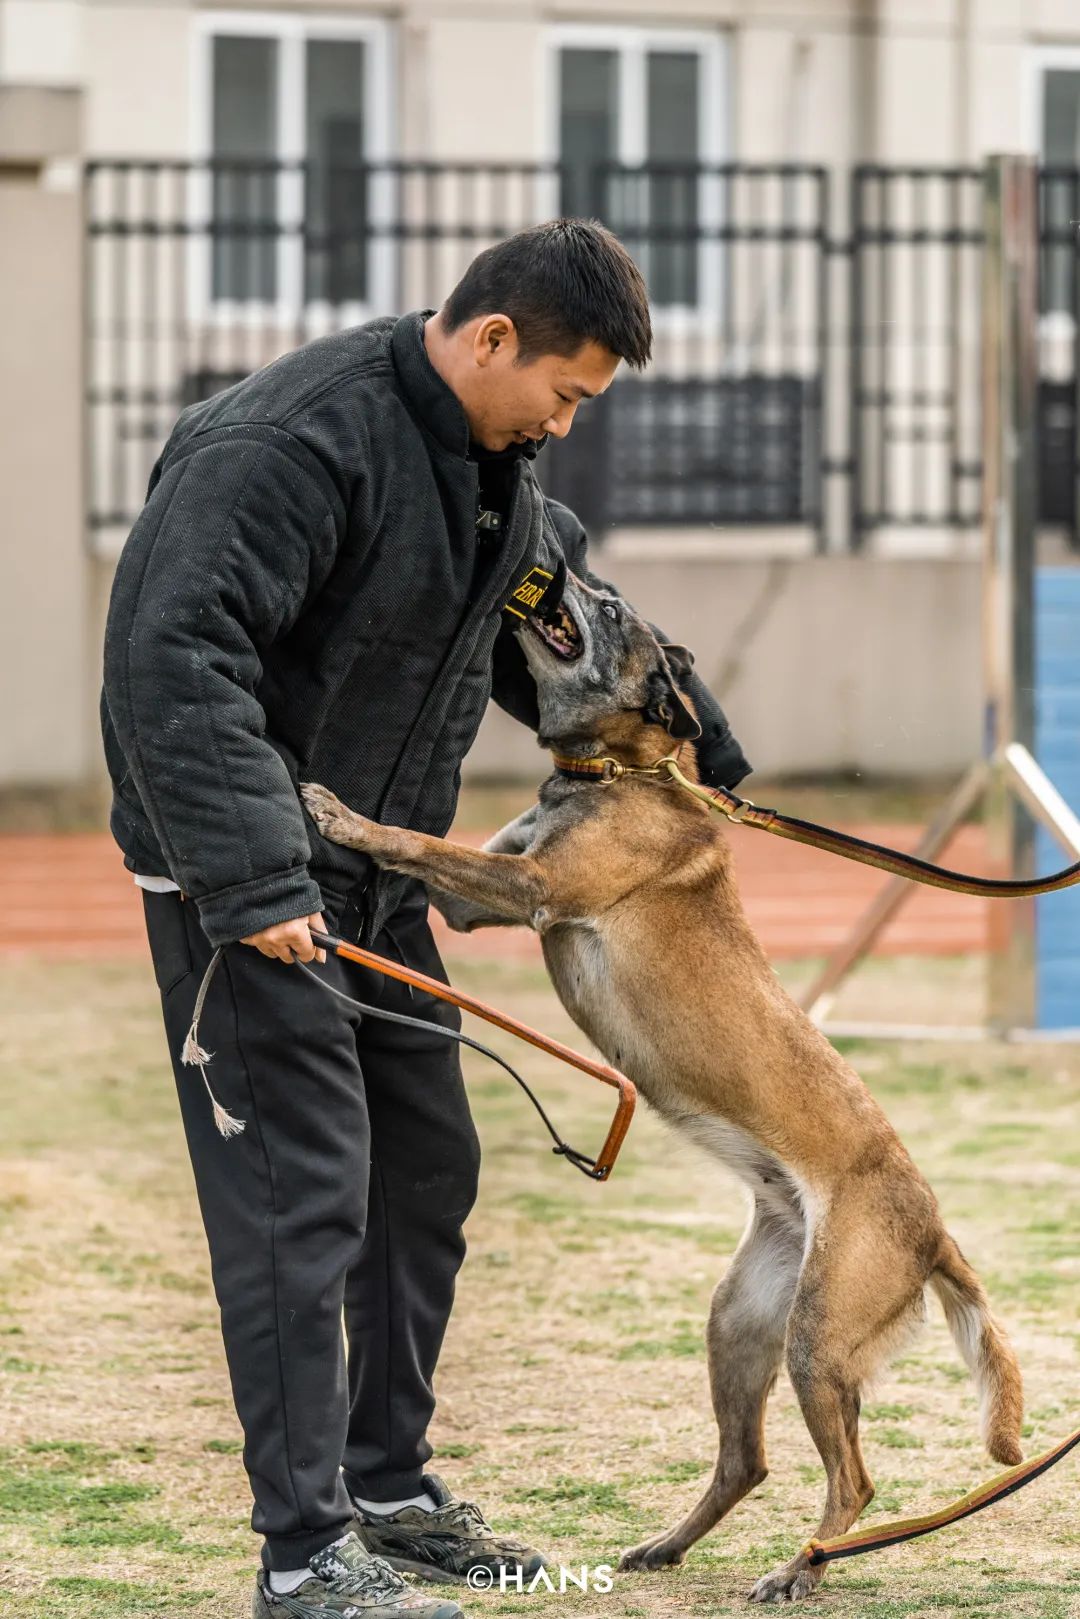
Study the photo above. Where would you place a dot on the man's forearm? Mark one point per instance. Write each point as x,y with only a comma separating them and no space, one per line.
182,660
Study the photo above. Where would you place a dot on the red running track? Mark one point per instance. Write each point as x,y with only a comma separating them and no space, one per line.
69,897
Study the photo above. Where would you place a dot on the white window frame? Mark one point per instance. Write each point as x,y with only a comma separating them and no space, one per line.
291,32
633,43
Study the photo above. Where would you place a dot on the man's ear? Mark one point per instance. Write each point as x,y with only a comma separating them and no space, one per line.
680,659
665,707
493,332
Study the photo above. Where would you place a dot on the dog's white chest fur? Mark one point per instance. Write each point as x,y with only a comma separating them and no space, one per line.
577,962
577,959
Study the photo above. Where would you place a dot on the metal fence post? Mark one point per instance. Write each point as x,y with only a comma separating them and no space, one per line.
856,535
1010,371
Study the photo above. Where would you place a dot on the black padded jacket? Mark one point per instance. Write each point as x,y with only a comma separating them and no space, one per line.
302,597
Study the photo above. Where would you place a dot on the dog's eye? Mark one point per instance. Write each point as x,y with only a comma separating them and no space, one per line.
611,610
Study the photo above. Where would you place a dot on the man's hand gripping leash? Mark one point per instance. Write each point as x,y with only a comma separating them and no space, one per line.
598,1168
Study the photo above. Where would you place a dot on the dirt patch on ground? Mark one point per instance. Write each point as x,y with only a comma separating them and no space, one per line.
573,1402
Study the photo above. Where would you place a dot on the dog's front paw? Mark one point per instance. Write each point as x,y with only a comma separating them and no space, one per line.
659,1552
787,1584
333,818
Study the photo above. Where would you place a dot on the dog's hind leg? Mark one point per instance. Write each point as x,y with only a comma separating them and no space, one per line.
859,1294
746,1346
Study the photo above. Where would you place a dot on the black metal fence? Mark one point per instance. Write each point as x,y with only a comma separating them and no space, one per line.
199,273
816,359
914,348
915,422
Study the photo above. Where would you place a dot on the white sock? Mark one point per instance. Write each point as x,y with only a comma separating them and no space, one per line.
423,1500
284,1580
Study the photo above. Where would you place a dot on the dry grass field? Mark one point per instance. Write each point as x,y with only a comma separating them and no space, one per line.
573,1395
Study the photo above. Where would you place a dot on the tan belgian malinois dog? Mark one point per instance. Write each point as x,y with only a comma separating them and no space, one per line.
626,883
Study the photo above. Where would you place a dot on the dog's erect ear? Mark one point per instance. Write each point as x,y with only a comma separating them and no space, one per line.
665,707
680,659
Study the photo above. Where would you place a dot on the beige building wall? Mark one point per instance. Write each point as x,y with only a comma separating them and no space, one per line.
137,63
45,658
41,42
823,81
830,81
821,663
917,79
483,86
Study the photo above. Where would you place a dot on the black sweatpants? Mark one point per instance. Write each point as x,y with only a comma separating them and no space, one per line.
346,1191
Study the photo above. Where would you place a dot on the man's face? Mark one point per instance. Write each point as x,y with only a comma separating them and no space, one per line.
507,402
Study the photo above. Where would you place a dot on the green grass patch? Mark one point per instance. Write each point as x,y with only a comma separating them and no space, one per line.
683,1343
105,1599
898,1439
584,1495
144,1503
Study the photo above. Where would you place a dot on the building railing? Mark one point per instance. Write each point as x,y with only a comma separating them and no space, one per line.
816,358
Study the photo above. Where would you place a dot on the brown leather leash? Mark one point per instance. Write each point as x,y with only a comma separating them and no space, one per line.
984,1495
598,1168
601,1166
745,812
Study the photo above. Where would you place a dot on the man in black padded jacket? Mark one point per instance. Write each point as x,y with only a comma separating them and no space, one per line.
323,585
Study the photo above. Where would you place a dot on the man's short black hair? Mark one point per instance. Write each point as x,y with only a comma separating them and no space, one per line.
562,284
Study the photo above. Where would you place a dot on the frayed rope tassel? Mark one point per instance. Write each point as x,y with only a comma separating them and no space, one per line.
193,1055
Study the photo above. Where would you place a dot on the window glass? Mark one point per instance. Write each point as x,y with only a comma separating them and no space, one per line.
335,211
670,263
1061,117
244,196
588,127
657,214
672,95
1060,148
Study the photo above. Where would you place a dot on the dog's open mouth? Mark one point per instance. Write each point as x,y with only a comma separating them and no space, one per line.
560,633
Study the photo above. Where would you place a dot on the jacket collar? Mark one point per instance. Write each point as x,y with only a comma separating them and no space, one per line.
437,406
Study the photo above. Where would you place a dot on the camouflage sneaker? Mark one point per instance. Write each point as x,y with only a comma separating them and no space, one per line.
444,1544
347,1582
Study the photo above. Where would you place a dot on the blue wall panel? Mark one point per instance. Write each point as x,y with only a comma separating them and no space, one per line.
1057,748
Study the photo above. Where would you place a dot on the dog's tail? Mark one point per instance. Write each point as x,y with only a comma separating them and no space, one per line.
986,1349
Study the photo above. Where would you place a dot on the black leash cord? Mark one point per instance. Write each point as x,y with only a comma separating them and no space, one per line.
561,1148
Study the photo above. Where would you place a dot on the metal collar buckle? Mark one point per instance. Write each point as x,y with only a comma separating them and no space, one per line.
614,771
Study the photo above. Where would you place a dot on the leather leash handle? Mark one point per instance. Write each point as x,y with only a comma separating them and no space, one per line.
624,1110
984,1495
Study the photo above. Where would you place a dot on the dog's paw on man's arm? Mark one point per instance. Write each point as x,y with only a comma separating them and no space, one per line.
335,820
